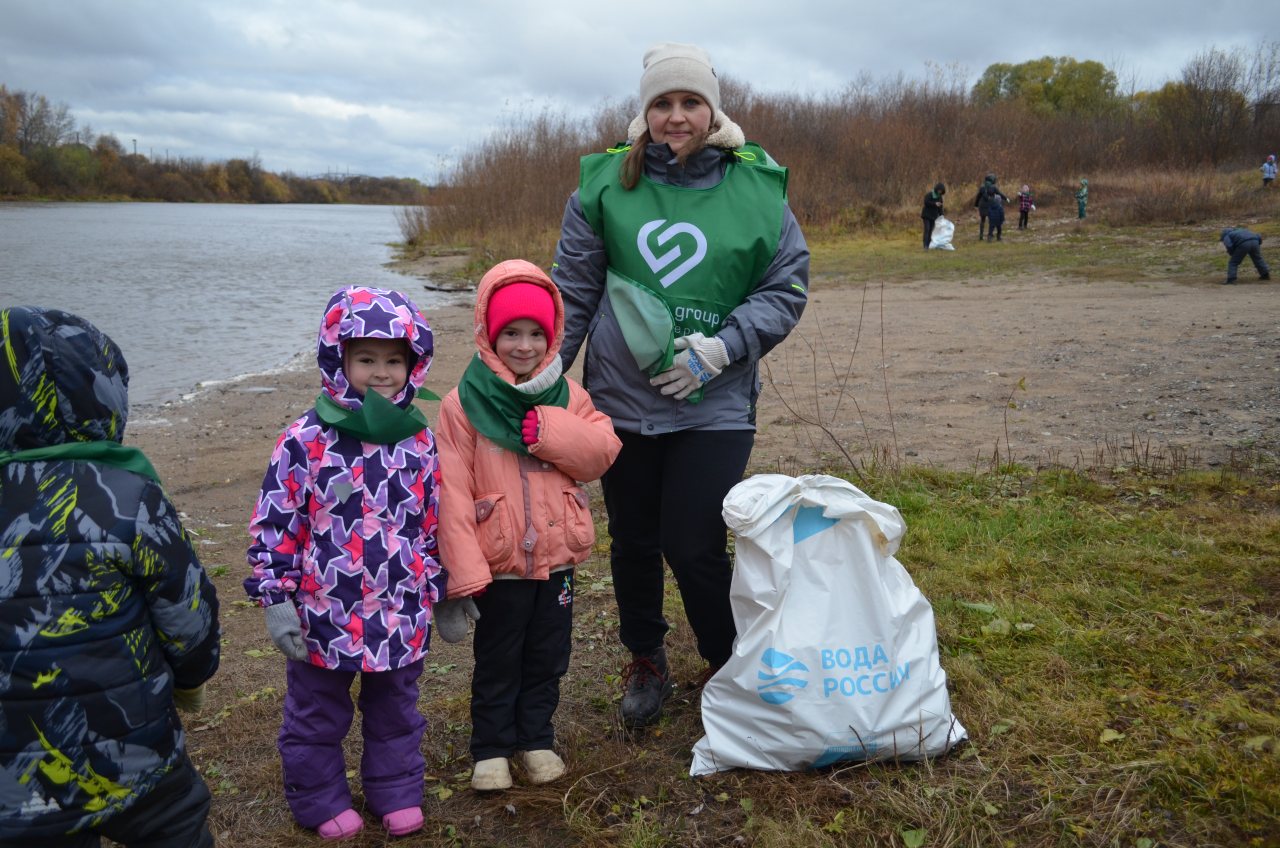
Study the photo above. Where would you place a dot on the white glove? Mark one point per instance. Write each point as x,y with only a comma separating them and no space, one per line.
699,360
286,630
451,617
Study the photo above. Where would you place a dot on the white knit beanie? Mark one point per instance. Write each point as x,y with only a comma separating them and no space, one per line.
678,67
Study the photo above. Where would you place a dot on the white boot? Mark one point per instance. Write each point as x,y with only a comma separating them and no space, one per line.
491,774
541,766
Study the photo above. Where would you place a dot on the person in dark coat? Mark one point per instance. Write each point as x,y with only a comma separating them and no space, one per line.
987,191
108,622
995,217
932,209
1240,243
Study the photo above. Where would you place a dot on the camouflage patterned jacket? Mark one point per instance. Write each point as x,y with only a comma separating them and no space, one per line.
104,607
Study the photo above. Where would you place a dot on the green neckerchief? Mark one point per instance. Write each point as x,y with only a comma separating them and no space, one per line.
378,421
105,453
497,409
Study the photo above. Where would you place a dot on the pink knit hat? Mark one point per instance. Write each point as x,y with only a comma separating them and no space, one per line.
521,300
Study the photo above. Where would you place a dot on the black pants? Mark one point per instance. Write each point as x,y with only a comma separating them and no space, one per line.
172,815
664,495
928,231
982,223
1251,248
1022,219
521,647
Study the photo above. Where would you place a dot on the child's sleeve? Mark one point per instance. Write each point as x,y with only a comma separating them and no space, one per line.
579,439
279,528
431,520
467,567
182,603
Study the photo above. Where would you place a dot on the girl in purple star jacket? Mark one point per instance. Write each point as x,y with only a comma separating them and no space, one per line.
345,562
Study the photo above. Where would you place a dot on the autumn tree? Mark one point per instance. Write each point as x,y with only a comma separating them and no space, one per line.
1050,85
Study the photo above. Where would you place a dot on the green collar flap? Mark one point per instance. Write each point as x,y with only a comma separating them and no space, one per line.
496,408
105,453
378,421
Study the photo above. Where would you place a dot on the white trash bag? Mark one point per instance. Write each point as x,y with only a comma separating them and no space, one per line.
943,230
837,653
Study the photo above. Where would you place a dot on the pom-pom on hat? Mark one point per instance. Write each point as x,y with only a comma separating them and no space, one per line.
520,300
678,67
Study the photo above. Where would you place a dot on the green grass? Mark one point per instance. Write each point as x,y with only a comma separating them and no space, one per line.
1111,643
1053,246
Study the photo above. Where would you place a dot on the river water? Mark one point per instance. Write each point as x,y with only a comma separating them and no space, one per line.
197,293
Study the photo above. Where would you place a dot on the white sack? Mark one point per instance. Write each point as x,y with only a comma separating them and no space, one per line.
943,230
837,652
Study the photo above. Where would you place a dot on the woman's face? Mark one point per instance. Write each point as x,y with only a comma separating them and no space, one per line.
677,118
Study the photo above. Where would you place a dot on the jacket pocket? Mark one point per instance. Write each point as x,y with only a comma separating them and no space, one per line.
579,529
493,528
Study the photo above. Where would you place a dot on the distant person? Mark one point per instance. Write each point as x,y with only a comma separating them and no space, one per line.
1082,198
932,209
1269,171
995,217
108,622
517,425
345,564
1240,243
987,191
677,369
1026,205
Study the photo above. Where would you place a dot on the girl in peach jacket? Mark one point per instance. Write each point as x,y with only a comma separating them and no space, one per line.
515,438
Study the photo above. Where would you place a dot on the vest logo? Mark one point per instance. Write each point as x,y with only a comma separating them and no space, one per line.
657,263
778,681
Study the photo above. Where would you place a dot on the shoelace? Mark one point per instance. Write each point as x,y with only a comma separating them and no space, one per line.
642,669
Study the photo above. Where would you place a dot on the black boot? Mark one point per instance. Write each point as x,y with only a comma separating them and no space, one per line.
646,684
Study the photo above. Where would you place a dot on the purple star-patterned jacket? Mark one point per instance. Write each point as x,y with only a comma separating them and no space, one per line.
346,530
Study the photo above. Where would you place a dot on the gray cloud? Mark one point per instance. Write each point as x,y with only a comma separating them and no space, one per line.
400,88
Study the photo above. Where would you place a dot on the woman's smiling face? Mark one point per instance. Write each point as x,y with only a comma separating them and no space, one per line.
678,118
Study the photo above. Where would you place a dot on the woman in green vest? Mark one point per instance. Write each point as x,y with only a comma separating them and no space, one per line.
681,265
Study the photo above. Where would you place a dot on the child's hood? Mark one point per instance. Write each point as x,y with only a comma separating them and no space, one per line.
502,274
366,312
61,380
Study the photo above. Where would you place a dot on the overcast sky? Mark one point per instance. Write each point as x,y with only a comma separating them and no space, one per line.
400,88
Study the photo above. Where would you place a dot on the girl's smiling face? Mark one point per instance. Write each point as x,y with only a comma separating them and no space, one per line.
521,345
678,118
378,364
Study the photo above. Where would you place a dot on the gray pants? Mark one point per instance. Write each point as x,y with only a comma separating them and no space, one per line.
1251,248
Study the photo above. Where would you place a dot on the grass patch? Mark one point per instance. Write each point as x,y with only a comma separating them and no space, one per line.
1112,644
1059,247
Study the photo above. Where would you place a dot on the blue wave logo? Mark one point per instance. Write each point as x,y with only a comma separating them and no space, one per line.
778,680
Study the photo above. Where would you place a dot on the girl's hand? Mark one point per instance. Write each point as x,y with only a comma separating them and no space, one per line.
529,428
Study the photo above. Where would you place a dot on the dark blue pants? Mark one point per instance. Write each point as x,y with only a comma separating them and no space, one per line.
664,495
1251,248
171,815
521,647
317,715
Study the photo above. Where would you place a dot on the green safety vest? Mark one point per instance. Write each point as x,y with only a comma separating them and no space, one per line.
701,251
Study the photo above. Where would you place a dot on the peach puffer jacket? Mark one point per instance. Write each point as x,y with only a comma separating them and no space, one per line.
504,513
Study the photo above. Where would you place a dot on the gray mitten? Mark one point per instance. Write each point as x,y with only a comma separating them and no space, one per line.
451,618
286,630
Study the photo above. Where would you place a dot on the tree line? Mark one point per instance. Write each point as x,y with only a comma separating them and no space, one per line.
44,154
865,155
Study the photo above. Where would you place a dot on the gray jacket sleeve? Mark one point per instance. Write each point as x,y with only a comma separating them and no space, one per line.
774,307
579,272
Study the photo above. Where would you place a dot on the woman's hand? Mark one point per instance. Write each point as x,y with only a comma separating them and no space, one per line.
699,360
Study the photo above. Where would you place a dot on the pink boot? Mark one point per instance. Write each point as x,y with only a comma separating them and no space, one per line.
401,822
344,824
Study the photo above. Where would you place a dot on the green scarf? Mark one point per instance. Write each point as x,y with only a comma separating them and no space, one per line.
105,453
497,409
378,421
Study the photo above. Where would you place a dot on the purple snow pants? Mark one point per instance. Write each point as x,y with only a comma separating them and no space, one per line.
317,715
